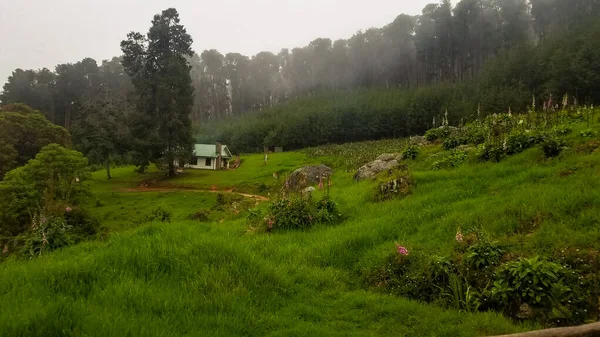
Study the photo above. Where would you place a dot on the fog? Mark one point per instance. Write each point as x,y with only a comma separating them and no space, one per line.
41,33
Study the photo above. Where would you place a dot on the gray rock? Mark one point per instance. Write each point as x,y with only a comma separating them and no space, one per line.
418,140
307,176
382,163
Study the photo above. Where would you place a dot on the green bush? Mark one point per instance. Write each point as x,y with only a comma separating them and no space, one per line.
450,160
157,214
412,152
484,254
589,133
54,177
552,146
46,234
301,212
82,225
451,143
534,281
487,152
201,216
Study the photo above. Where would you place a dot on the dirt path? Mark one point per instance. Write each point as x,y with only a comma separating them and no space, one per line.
173,189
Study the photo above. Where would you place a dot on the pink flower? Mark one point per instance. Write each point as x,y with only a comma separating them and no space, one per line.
320,183
459,236
68,209
5,250
310,218
402,250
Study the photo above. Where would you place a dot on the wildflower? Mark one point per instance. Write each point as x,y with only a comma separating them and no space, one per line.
77,179
43,219
520,122
330,183
401,250
5,250
459,236
310,218
320,183
68,209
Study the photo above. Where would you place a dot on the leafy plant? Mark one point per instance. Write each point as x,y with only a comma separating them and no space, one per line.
451,143
158,214
484,254
201,216
589,133
412,152
487,152
451,160
46,234
552,146
533,281
300,212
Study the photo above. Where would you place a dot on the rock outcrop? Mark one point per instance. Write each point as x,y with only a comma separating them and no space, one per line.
307,176
384,162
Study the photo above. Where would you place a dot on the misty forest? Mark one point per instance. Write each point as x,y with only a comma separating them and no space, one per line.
437,176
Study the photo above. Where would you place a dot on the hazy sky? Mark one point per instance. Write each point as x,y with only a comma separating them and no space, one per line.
42,33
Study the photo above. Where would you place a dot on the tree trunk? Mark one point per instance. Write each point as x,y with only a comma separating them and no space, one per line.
108,176
171,168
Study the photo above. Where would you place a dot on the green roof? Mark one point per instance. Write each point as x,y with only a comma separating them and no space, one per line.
210,151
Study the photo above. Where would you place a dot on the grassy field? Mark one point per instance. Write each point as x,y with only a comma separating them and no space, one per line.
216,278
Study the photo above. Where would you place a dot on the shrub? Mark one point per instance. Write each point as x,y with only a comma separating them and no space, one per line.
473,134
301,212
55,176
532,281
46,234
484,254
451,143
451,160
562,130
589,133
158,214
519,142
487,152
81,224
201,216
435,134
412,152
552,146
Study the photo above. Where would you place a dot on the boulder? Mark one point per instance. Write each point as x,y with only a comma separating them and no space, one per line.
307,176
384,162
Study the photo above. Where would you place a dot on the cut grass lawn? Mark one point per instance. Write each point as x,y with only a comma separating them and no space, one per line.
187,278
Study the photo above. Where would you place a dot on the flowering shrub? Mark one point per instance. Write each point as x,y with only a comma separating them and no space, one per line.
46,234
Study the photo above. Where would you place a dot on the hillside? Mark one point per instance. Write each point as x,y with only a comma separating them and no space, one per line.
223,276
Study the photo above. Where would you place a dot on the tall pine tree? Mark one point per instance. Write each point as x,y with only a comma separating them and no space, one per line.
160,73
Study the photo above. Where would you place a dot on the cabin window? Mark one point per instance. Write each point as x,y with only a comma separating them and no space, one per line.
208,162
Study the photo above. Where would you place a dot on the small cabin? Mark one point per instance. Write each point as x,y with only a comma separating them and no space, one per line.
210,157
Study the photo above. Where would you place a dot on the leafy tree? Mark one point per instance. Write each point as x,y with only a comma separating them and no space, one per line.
160,74
47,184
101,130
23,134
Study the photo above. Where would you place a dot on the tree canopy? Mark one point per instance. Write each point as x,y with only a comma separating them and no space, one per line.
23,133
160,74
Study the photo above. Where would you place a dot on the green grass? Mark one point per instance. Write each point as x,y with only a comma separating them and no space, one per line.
249,178
187,278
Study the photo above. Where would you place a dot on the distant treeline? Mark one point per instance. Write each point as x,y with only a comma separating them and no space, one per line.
445,43
564,64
